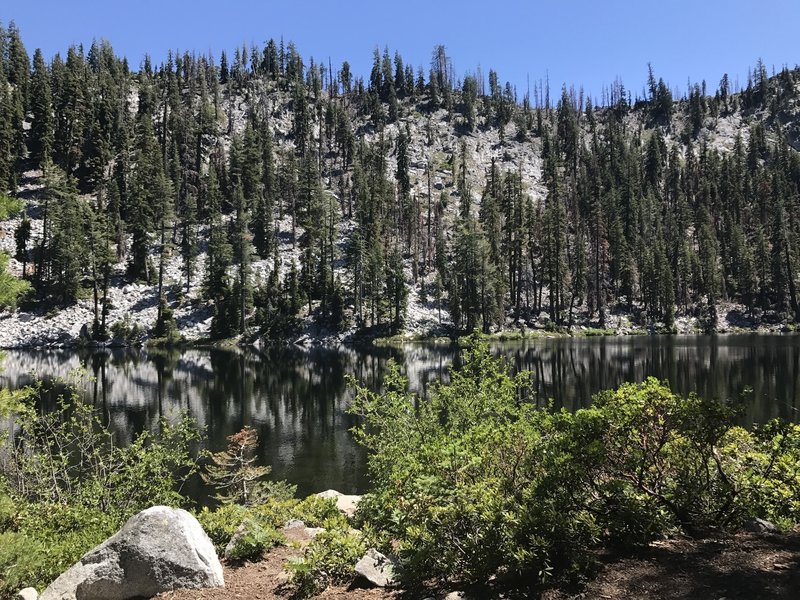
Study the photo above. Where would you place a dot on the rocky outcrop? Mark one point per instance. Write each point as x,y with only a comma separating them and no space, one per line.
345,503
157,550
376,568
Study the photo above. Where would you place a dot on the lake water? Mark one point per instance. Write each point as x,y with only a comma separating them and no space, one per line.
297,399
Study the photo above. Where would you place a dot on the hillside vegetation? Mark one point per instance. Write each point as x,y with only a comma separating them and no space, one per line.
269,196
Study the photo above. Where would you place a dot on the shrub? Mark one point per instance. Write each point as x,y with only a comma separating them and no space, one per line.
69,457
315,511
476,482
12,290
47,539
330,558
253,542
126,330
222,523
9,207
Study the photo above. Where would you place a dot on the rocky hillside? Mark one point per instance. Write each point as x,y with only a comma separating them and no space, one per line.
279,200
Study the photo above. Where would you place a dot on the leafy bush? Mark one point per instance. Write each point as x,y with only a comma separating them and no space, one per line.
255,540
222,523
12,290
46,539
330,558
65,486
476,482
69,457
315,511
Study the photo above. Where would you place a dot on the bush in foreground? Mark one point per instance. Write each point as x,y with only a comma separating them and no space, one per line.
477,483
65,486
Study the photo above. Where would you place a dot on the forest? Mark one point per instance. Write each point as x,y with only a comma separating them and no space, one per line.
291,193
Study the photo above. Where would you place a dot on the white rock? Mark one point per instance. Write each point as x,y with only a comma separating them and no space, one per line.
28,593
158,550
294,524
347,503
376,568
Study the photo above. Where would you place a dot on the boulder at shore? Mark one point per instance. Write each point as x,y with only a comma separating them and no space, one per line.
157,550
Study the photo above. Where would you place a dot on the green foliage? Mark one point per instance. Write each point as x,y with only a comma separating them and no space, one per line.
165,331
320,512
69,457
9,207
252,544
12,290
126,330
330,558
475,481
65,486
45,539
222,523
233,471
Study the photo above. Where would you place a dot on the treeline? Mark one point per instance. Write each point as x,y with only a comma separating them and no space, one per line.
229,161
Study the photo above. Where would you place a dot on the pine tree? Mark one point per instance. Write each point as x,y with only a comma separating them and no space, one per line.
41,133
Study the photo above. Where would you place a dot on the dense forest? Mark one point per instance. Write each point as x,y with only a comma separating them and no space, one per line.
290,193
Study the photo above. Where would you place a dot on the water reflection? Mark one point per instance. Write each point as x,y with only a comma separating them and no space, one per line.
298,400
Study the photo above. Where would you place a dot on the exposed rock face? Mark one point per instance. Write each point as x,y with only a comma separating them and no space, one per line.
376,568
158,550
345,503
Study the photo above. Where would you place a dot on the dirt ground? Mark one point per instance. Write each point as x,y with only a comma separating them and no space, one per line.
745,566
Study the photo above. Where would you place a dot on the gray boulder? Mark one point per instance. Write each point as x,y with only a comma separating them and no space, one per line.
158,550
376,568
760,526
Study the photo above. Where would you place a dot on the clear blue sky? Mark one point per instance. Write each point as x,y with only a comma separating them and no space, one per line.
580,42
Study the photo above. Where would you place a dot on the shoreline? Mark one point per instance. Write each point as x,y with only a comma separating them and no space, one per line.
350,340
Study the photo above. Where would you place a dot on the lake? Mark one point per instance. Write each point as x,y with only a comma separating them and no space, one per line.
297,399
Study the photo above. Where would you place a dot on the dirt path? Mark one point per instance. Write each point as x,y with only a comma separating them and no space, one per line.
266,580
743,567
746,566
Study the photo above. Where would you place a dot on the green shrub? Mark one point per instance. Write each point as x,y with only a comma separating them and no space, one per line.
48,539
222,523
65,485
315,511
68,456
126,330
12,290
476,482
330,558
9,207
252,544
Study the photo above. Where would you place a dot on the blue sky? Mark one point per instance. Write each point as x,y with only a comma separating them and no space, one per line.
579,42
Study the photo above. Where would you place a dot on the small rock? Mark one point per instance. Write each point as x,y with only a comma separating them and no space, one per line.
455,596
242,530
376,568
313,532
28,593
294,524
760,526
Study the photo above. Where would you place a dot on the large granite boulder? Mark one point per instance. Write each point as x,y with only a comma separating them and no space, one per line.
157,550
